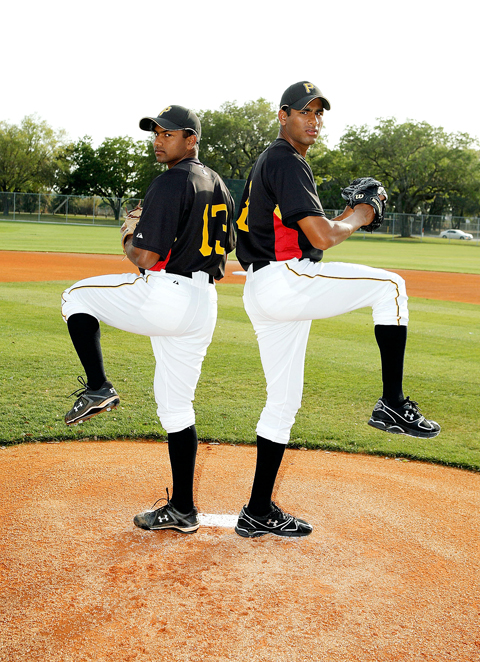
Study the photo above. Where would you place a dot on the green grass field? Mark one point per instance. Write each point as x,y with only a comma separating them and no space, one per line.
427,255
59,219
342,381
59,238
376,251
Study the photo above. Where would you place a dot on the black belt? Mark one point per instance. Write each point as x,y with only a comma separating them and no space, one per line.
188,274
256,266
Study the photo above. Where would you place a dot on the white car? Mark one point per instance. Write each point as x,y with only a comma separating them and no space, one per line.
455,234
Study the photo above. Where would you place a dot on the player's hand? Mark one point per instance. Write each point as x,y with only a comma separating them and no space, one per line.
130,223
367,191
368,210
367,213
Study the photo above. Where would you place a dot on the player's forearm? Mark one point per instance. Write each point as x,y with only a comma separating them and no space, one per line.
348,211
323,233
357,218
140,258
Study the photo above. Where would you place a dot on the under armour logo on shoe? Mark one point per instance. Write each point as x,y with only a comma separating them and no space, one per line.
410,415
272,522
161,519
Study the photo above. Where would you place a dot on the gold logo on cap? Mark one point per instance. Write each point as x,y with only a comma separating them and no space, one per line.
308,87
165,110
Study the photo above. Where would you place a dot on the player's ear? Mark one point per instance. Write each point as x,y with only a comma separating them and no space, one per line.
192,141
282,116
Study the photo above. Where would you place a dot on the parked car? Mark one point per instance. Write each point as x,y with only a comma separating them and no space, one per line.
455,234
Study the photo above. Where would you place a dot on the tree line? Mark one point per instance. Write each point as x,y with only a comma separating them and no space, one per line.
424,169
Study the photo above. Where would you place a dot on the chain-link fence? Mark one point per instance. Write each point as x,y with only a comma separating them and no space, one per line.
96,210
71,209
424,225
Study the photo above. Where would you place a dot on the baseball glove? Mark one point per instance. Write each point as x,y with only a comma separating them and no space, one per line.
130,223
367,190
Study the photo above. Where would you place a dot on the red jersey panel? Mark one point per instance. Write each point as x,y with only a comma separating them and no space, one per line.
286,239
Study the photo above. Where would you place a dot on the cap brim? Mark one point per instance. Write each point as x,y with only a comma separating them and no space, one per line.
146,124
304,101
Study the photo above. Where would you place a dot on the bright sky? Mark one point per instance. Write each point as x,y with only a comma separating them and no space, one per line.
96,67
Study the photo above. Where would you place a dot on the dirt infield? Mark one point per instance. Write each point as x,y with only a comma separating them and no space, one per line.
391,572
73,266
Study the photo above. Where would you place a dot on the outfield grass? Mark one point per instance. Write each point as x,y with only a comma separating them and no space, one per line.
50,237
377,251
429,254
59,219
342,382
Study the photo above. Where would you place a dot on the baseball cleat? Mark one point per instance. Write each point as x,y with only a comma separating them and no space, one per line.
90,402
276,522
167,517
405,419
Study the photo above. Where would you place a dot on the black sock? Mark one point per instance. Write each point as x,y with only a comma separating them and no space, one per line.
269,459
182,449
85,334
391,342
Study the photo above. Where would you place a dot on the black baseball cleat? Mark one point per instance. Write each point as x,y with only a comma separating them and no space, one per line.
90,402
167,517
405,419
276,522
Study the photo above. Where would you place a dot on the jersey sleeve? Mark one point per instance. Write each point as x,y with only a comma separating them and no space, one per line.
230,237
294,188
162,210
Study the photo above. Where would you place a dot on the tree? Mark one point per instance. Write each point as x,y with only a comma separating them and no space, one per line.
109,171
147,167
331,171
31,156
423,167
235,136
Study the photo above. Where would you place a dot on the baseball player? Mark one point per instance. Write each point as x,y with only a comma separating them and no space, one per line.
180,244
282,233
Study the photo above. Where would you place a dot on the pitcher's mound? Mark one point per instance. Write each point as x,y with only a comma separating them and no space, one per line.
390,573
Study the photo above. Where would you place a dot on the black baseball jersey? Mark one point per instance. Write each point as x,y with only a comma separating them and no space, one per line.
187,219
279,192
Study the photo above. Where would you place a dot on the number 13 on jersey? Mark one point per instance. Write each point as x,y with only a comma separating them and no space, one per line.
206,249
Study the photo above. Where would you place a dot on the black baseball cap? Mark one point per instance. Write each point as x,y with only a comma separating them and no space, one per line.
300,94
173,118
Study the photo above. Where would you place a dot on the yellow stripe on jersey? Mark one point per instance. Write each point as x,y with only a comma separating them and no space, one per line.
242,219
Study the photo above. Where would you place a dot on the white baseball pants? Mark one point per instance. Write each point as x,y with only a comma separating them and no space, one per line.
281,301
177,313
